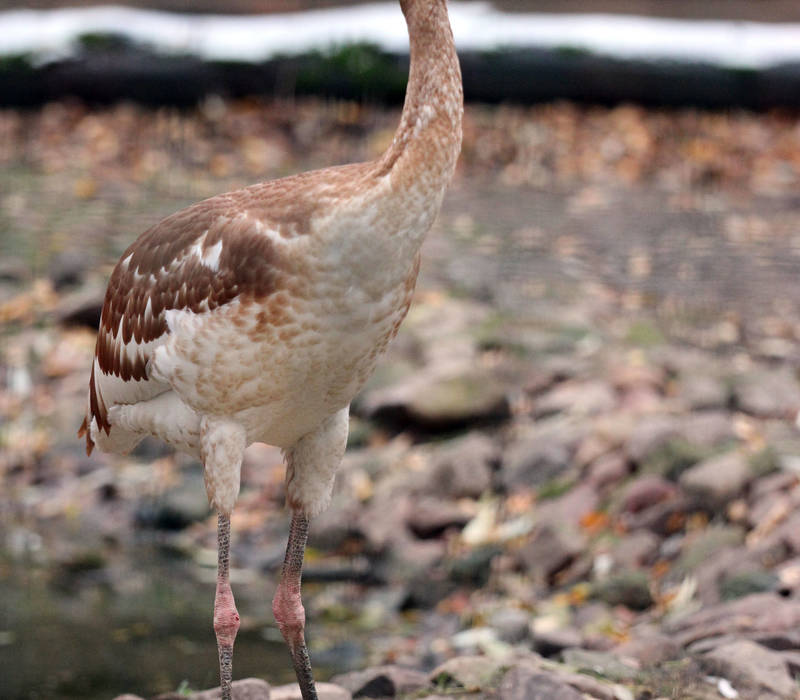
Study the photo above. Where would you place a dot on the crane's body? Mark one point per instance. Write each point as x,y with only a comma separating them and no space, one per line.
257,315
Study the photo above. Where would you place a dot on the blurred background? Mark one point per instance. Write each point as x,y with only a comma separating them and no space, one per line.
582,443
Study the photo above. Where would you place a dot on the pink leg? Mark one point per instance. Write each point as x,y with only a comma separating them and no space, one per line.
226,618
287,605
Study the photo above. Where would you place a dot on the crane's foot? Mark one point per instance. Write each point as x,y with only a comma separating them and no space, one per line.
226,617
287,606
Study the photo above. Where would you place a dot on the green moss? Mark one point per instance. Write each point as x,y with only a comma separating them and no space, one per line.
644,334
765,461
674,457
554,488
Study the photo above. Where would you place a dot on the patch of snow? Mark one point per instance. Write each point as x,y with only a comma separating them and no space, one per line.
52,34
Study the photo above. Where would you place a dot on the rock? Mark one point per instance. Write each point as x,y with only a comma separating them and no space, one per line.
245,689
752,667
578,398
463,467
540,453
511,624
768,393
128,696
702,391
382,682
756,614
470,673
718,479
706,430
178,507
80,308
649,646
550,642
628,588
700,547
607,470
599,663
645,491
325,691
636,549
571,507
521,683
651,433
738,585
430,517
438,400
474,566
549,550
68,268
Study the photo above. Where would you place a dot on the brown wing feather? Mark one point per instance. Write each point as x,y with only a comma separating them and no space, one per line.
159,272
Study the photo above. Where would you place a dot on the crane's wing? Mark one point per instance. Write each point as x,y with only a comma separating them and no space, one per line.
197,260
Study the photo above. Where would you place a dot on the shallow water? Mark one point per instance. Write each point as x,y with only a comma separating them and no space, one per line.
86,636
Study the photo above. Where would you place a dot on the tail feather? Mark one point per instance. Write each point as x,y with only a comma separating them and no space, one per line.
84,430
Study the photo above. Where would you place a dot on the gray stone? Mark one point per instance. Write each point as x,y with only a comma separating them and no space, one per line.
549,550
607,470
708,429
645,491
578,398
521,683
540,453
325,691
429,517
768,393
649,646
463,467
636,549
651,433
703,391
751,666
628,588
549,642
599,663
700,547
756,614
382,682
245,689
511,624
440,399
718,479
471,673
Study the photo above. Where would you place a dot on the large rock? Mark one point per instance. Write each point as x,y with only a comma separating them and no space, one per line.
751,668
522,683
463,468
549,550
540,453
245,689
438,400
578,398
467,673
768,393
325,691
718,479
757,614
382,682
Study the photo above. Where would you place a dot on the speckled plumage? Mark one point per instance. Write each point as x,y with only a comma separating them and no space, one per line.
257,315
269,306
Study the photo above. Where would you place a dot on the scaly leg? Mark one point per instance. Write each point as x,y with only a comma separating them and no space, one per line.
287,605
226,618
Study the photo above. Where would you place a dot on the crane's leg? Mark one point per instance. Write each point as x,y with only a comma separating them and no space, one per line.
226,617
287,605
222,444
311,466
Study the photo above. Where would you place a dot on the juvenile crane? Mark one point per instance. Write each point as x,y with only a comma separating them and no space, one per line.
257,315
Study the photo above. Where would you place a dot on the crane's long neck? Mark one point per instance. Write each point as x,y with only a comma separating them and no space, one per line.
423,153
